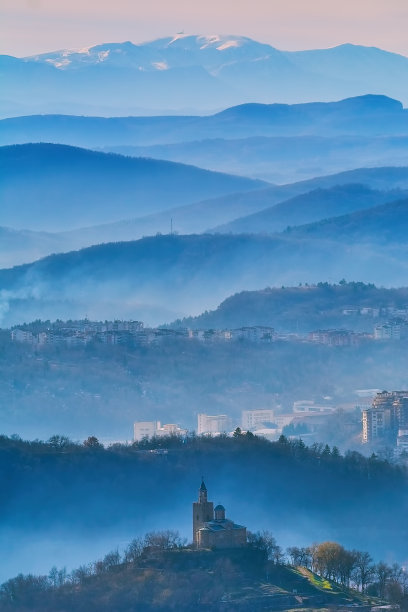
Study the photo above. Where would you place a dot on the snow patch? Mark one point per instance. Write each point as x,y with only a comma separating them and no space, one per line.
102,55
228,44
178,36
209,40
59,63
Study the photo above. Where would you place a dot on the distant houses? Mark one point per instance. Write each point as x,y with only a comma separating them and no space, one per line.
392,324
154,429
261,422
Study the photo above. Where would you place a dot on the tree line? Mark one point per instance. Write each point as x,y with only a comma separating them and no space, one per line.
353,569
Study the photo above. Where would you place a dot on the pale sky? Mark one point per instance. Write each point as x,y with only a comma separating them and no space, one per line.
34,26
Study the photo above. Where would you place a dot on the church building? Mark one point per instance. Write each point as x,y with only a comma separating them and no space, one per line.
210,527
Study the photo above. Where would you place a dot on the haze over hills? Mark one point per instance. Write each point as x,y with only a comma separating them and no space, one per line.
279,159
197,72
279,143
384,224
314,205
368,115
49,187
265,210
162,278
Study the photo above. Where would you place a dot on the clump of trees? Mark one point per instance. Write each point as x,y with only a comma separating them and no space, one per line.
355,569
23,590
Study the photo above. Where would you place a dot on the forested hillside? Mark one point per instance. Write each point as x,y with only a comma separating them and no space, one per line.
303,308
90,494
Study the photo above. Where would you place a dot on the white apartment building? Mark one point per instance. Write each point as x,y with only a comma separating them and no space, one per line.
148,429
402,441
145,429
19,335
212,424
255,419
376,423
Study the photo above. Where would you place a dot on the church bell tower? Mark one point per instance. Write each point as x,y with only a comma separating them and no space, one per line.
203,511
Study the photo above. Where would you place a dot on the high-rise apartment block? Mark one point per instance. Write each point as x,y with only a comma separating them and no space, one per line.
387,414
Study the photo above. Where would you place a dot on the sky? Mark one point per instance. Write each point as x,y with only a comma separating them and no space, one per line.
33,26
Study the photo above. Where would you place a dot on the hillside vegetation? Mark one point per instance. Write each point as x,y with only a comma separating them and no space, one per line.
302,308
162,278
158,573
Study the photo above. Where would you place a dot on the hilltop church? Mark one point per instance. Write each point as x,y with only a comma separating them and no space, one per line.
210,527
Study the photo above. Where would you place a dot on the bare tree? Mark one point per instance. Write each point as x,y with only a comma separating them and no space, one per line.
363,571
134,550
164,540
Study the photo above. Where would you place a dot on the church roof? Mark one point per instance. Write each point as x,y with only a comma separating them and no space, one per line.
219,507
225,525
203,487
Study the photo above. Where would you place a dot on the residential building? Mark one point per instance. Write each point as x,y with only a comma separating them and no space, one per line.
387,414
255,419
333,337
19,335
303,406
402,441
212,424
396,329
281,420
145,429
149,429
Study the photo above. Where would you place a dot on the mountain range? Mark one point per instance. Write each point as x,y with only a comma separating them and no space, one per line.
193,72
50,187
58,198
277,143
365,116
315,205
279,159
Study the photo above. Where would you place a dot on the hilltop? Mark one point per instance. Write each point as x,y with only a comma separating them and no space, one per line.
301,308
179,578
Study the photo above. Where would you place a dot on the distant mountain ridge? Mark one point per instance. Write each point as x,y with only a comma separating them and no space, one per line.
74,208
365,115
383,224
315,205
194,72
50,187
